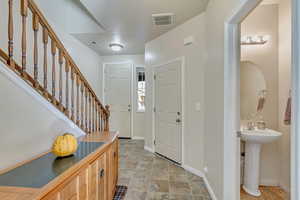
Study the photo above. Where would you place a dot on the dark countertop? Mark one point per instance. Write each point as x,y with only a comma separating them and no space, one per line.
39,172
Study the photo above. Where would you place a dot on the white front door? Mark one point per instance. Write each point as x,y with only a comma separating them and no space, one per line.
168,114
117,94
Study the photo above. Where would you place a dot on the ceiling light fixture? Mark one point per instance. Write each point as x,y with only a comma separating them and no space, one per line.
116,46
255,40
92,43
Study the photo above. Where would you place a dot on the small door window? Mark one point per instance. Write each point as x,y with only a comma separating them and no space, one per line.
141,89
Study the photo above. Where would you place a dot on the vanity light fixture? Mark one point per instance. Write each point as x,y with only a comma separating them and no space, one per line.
255,40
116,46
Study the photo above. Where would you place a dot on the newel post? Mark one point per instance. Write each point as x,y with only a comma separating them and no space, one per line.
106,126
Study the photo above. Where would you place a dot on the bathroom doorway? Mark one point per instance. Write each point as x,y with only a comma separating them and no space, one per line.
268,103
265,84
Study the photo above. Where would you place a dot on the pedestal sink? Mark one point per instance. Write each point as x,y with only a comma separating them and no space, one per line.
254,139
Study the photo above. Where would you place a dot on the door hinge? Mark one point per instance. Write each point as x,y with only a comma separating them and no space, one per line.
239,134
154,77
154,109
154,142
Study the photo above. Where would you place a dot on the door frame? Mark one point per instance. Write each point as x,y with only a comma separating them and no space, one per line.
131,89
182,71
231,99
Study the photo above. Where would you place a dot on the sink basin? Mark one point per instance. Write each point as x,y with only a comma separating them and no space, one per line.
254,139
260,136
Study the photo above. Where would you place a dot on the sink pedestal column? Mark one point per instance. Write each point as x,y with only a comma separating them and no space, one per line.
252,160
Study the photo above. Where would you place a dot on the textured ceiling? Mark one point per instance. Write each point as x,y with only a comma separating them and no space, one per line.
129,22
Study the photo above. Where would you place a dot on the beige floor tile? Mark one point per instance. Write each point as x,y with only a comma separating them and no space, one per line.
138,184
180,188
157,196
180,197
159,186
152,177
136,195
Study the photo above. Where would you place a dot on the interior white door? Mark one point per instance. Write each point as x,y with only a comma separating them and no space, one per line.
168,114
117,92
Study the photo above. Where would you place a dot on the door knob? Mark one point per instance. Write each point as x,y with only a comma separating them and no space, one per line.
178,120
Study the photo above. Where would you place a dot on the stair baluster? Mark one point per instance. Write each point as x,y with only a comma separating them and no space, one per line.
53,52
82,106
10,34
35,26
72,94
77,101
45,68
86,110
60,81
24,13
90,114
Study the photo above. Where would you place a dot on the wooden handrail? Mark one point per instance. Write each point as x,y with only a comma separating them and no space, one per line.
44,22
84,107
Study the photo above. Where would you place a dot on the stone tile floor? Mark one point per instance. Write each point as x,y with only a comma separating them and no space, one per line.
150,177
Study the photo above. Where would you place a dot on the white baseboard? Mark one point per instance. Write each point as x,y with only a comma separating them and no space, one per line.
16,80
209,188
193,171
201,174
149,149
269,182
285,188
137,138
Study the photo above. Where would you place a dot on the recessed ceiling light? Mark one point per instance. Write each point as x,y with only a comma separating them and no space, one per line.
116,46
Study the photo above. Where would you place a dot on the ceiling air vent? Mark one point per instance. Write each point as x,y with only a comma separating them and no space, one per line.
163,19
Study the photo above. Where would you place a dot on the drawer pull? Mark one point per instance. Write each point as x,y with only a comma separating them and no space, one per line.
101,173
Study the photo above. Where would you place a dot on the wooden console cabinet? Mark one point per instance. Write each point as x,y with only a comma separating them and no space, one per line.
94,179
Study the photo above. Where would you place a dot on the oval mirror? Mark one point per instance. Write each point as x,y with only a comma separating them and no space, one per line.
253,87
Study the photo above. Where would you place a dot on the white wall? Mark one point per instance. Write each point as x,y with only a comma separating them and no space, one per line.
28,123
168,47
138,117
284,87
70,15
217,13
264,21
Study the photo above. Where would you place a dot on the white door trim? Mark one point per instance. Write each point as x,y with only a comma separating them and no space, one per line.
182,71
231,100
131,89
295,130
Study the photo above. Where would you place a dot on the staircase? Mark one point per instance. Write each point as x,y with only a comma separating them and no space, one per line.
53,74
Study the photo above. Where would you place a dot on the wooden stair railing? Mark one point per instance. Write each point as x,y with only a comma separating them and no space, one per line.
71,93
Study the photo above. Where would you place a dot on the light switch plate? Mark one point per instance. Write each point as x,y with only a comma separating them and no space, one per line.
188,41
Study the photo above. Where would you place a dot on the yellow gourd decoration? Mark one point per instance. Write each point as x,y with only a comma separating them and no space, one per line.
65,145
